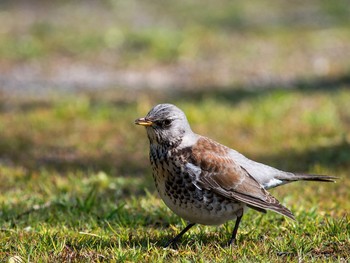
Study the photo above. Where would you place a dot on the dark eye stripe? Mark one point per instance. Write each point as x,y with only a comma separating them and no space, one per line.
164,123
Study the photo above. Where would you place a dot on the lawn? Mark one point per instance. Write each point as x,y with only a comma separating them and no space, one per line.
75,180
76,183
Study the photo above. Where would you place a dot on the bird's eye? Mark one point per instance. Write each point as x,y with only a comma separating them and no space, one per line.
166,123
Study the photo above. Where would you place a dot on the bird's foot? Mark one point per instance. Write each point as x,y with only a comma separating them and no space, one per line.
232,242
172,243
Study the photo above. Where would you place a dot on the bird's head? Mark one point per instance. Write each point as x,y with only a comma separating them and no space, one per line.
166,124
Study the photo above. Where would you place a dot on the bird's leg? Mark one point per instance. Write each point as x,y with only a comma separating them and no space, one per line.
175,239
234,233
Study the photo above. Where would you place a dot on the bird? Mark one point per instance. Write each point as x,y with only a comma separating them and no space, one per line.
205,182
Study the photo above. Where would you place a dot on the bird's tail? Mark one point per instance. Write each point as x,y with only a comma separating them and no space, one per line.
290,177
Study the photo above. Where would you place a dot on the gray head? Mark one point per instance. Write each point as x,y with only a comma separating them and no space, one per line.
166,124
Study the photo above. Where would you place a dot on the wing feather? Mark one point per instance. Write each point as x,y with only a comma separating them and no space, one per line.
220,173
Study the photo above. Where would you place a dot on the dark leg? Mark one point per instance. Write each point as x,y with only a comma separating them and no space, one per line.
175,239
234,233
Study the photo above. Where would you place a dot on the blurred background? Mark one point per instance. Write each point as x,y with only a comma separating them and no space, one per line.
96,45
268,78
75,74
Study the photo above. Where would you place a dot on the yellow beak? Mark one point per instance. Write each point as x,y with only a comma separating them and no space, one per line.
143,122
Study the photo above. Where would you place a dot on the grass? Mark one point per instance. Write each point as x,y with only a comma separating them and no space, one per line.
145,35
76,184
268,78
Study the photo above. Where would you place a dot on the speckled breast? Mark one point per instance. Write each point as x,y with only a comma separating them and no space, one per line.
183,197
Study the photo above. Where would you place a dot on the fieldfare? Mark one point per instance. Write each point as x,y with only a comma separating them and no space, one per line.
205,182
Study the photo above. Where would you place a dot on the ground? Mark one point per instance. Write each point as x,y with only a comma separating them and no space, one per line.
76,185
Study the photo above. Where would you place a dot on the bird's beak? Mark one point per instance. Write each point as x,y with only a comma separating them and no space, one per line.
143,122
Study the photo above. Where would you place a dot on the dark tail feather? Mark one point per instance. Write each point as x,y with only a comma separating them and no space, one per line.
307,177
278,209
267,203
283,211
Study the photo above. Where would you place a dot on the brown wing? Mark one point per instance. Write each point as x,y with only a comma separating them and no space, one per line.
223,175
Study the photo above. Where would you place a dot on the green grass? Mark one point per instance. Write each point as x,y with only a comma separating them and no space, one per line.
76,184
145,34
268,78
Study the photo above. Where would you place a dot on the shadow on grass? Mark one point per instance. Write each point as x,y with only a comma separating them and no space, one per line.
22,149
239,93
23,106
121,98
334,156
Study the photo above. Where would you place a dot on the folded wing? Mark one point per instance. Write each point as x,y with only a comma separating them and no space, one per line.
220,173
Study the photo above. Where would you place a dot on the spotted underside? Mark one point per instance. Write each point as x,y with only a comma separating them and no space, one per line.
175,184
